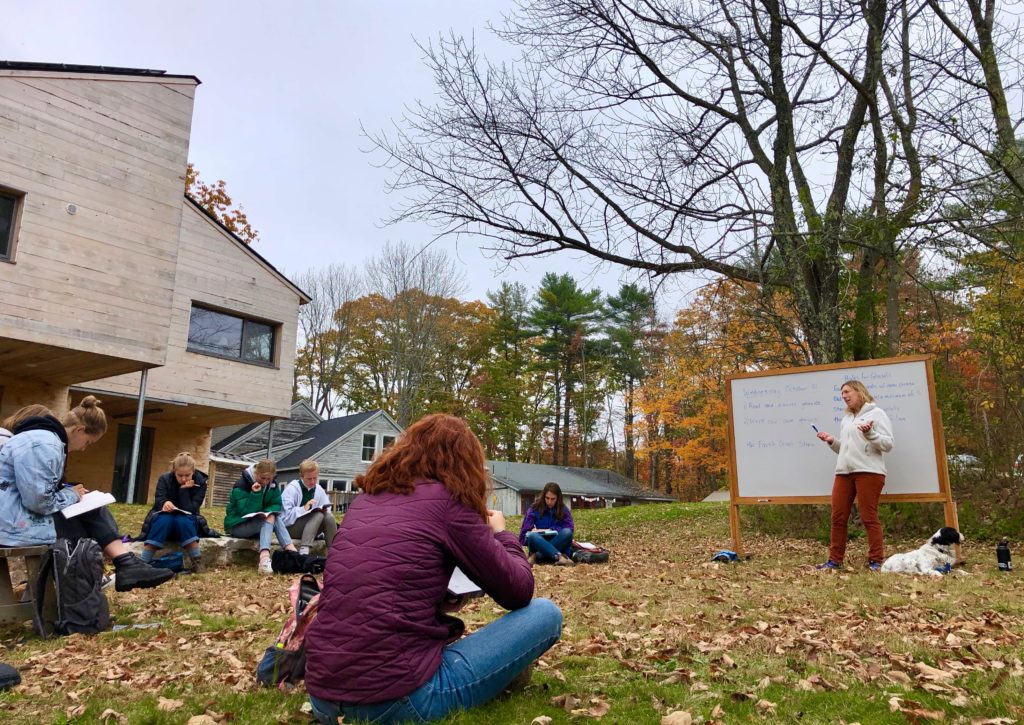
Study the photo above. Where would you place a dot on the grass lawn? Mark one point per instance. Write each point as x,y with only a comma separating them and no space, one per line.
658,629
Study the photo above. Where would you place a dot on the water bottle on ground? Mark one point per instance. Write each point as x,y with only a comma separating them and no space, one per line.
1003,556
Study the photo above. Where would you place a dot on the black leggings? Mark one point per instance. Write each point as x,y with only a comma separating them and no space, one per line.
97,524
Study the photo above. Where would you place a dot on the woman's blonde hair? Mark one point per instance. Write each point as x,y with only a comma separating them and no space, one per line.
308,465
89,414
865,396
29,411
266,466
183,460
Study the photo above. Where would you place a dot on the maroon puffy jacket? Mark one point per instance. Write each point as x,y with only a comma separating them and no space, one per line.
379,633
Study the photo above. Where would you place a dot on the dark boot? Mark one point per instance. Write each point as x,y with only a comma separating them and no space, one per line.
198,566
134,573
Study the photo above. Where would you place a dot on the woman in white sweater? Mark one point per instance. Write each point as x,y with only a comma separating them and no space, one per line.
865,433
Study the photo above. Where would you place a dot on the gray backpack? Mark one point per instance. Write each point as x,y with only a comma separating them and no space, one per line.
77,575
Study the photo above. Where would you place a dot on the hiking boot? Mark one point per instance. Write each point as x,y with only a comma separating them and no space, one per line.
532,558
828,566
133,573
198,567
874,565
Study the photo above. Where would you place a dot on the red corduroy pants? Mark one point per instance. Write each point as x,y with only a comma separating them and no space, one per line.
865,488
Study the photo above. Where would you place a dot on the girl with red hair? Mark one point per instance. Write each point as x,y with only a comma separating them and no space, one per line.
383,647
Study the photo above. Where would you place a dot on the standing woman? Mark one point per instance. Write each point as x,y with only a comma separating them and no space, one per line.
865,433
33,492
179,494
383,647
548,512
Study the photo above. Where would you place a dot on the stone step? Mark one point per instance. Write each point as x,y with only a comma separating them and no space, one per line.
227,550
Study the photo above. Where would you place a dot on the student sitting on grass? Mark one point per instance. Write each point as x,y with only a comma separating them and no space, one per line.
383,647
548,513
254,508
179,494
33,491
307,509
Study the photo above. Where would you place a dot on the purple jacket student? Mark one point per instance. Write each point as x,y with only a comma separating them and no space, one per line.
383,647
548,511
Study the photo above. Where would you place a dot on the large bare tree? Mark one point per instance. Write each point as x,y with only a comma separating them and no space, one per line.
771,141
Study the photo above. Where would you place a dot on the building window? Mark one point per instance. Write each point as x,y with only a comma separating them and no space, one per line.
369,446
387,442
8,220
229,336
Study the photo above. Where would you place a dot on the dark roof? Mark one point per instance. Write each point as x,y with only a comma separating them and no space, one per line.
323,435
248,248
531,477
240,433
96,69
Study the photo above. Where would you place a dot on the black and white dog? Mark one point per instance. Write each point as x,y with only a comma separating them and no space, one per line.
934,558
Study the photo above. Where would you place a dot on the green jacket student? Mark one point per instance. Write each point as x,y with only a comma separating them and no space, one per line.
257,491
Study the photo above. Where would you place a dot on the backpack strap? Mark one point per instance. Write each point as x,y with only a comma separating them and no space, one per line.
39,589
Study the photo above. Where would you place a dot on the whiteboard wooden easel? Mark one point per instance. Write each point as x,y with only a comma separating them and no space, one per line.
776,458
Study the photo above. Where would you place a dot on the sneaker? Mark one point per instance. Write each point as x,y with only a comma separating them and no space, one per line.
874,565
265,566
133,573
532,558
829,566
198,566
304,550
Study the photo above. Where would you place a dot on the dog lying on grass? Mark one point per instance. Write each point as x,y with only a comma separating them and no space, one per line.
934,558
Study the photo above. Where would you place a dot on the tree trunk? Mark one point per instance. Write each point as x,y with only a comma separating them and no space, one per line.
630,453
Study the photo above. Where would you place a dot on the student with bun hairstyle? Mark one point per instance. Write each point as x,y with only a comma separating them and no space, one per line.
179,494
33,491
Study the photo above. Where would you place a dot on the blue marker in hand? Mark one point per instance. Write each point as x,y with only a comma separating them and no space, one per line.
815,427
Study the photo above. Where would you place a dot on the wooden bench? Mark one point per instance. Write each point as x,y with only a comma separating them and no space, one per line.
17,606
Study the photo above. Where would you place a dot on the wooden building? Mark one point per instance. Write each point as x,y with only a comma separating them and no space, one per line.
515,486
108,270
342,447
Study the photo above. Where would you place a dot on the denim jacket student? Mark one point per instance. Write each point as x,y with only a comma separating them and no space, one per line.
31,467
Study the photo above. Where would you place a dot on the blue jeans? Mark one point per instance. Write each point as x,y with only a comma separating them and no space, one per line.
256,526
176,527
473,670
548,549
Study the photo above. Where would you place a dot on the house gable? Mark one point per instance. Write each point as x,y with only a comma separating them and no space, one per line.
340,456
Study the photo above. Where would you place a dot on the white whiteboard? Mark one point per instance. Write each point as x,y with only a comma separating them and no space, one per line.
777,453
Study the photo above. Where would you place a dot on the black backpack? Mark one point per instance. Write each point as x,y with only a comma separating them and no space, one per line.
283,664
76,570
284,561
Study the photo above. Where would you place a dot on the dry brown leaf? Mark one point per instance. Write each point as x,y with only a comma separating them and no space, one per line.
190,622
168,705
992,721
110,714
203,719
541,720
931,673
677,717
567,702
765,707
717,712
597,710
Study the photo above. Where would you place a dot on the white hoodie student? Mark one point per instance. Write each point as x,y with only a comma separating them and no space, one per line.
862,452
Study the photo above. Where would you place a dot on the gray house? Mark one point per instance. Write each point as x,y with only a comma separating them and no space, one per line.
516,485
343,447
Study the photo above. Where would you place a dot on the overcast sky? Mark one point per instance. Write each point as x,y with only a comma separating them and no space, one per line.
284,89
